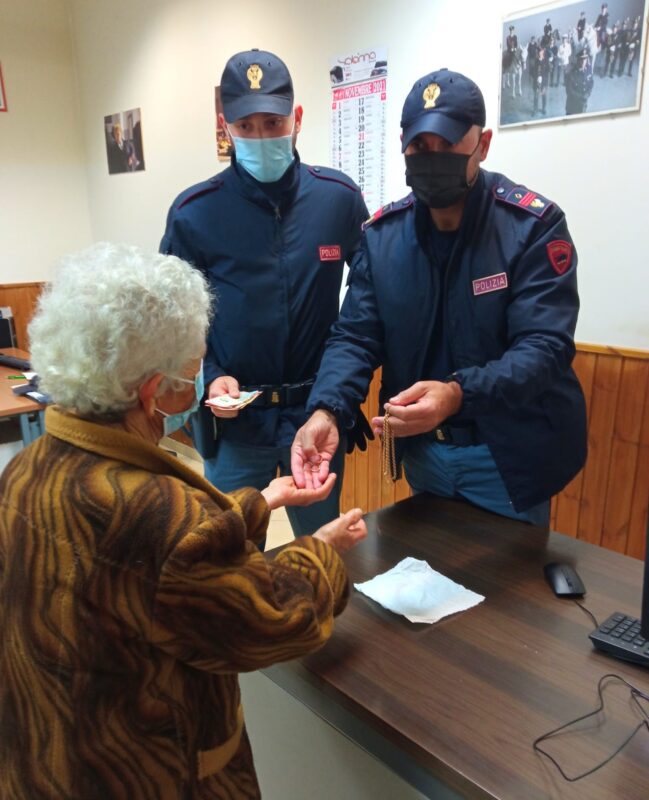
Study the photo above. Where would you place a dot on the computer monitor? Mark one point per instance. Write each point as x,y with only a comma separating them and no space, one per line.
644,613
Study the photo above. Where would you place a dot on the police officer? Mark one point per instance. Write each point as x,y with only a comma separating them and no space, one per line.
581,25
465,291
635,37
271,235
579,84
541,79
601,24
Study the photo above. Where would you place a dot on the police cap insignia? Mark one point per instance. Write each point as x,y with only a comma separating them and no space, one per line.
254,75
431,93
560,255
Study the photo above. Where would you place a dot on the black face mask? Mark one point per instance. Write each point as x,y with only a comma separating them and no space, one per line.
438,180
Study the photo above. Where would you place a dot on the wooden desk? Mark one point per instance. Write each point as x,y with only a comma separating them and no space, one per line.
459,703
29,412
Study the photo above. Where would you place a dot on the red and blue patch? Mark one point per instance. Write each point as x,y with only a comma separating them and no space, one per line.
560,255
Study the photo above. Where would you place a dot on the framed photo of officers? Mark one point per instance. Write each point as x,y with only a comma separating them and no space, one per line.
569,60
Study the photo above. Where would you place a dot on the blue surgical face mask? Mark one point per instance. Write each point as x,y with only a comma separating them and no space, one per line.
174,422
265,159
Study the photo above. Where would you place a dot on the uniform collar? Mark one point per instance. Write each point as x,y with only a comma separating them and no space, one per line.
277,195
118,445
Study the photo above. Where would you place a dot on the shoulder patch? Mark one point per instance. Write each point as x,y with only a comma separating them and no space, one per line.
213,185
560,255
522,198
387,211
327,174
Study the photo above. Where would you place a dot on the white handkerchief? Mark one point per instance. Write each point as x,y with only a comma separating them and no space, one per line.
413,588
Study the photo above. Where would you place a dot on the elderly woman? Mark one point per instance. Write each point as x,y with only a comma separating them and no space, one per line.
131,590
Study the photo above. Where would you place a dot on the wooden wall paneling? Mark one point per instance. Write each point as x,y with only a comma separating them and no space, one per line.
596,472
361,474
640,501
553,512
401,490
624,454
22,298
348,491
567,504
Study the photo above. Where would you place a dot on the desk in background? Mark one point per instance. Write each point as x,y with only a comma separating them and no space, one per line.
453,708
30,413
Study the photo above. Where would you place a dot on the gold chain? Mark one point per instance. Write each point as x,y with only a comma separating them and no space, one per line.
388,458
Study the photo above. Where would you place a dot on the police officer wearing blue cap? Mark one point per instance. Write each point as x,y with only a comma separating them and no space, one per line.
271,235
465,291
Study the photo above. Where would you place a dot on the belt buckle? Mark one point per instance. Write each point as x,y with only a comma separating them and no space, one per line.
274,397
441,435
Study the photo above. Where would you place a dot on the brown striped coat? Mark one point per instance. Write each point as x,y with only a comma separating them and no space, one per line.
131,596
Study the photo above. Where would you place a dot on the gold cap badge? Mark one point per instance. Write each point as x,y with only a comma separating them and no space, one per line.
254,75
431,93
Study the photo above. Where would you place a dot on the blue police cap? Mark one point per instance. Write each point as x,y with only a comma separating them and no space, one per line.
445,103
255,81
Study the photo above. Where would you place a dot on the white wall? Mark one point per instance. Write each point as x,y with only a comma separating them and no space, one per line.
166,55
43,194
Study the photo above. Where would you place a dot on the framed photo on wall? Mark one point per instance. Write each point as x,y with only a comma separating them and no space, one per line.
124,145
3,96
572,59
224,148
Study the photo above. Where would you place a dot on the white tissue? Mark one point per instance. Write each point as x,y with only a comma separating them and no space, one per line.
413,588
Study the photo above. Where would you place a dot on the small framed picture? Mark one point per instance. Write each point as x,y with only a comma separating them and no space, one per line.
3,96
224,147
124,146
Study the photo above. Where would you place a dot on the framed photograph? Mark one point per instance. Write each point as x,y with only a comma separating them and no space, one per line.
224,147
573,59
3,96
124,145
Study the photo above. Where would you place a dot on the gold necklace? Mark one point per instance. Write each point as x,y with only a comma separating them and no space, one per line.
388,457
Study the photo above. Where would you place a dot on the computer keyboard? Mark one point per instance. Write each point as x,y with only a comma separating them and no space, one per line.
620,636
14,362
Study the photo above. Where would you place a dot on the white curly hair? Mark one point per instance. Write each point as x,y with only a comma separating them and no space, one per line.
113,316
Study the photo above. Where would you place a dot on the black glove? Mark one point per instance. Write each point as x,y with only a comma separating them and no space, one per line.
358,435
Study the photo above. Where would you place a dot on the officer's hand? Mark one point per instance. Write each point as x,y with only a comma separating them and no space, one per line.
284,492
313,448
422,407
226,384
345,532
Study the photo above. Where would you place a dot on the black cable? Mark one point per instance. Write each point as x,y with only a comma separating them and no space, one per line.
635,693
590,614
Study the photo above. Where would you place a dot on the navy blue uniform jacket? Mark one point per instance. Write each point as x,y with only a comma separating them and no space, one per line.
273,255
510,310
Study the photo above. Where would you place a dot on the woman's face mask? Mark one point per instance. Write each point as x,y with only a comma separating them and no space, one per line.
174,422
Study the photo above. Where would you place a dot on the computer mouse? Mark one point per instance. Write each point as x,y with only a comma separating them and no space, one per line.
564,580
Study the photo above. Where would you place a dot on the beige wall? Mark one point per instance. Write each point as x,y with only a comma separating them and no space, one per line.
43,193
166,55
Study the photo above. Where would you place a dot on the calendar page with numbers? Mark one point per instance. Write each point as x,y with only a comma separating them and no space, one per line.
358,117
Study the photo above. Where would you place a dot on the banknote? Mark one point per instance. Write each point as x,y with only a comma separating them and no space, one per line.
233,403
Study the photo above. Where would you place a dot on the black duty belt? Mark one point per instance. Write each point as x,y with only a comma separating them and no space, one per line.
283,394
459,435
